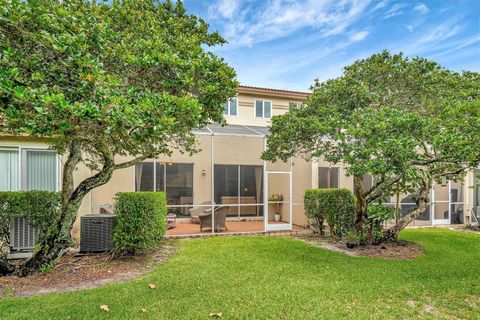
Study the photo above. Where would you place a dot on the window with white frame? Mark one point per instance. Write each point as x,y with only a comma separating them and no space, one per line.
28,169
231,107
263,109
328,177
294,105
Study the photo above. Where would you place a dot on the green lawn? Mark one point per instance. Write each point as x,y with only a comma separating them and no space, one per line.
279,278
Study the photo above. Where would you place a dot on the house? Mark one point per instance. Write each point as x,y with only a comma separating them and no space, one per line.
227,171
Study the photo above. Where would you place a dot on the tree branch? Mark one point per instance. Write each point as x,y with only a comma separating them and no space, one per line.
74,157
127,164
421,202
378,190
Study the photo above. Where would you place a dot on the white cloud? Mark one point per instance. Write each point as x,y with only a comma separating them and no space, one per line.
442,32
359,36
421,8
410,28
394,11
224,8
379,6
245,23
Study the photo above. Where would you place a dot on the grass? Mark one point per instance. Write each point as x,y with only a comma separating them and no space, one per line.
279,278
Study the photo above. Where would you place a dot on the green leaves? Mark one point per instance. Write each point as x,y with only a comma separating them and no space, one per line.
387,116
132,75
335,206
140,221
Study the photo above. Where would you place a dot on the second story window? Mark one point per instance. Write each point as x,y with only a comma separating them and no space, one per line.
263,109
294,105
231,107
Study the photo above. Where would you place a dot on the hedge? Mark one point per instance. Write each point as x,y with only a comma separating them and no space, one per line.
140,221
40,208
335,206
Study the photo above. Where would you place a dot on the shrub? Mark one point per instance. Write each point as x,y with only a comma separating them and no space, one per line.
39,208
335,206
377,215
140,221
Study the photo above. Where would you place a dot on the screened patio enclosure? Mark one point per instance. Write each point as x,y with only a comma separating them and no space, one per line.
227,173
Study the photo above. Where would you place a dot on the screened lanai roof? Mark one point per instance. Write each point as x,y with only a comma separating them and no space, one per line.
233,130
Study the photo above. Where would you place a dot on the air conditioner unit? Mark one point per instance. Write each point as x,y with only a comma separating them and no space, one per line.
96,232
22,235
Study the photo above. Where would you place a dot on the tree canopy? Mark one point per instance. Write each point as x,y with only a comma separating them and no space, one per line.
406,122
105,79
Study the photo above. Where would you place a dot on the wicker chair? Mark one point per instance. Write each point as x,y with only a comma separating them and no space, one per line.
196,211
220,217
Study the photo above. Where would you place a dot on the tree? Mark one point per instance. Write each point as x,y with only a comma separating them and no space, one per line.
105,80
406,122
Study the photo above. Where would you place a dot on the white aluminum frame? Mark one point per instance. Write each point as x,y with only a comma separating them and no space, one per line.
22,151
228,107
277,226
263,109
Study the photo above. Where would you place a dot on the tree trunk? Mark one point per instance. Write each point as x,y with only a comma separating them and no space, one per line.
393,231
360,204
57,239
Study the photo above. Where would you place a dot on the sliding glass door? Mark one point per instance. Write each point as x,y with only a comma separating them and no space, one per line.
241,188
175,179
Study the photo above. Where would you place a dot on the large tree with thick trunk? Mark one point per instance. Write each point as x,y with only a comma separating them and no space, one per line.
406,122
102,82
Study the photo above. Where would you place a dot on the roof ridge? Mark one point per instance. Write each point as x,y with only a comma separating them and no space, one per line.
275,90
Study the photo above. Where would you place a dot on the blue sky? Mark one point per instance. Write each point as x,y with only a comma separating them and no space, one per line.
286,44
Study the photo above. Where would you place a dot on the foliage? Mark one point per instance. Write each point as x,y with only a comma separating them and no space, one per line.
38,207
335,206
407,122
276,198
378,214
105,81
140,221
275,272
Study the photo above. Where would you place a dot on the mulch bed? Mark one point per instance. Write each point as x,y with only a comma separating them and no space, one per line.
392,250
76,271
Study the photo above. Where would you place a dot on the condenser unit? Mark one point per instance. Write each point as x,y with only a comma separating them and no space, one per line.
22,235
96,232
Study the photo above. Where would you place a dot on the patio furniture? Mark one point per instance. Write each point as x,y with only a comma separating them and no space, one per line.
219,221
233,210
171,221
196,211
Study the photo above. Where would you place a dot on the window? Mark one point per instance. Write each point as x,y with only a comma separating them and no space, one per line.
9,167
175,179
230,107
367,182
40,170
241,187
328,177
263,109
28,169
294,105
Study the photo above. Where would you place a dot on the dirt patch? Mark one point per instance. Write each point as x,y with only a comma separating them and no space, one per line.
393,250
76,271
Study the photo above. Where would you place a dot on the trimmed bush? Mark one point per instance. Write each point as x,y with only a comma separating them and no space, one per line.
140,221
335,206
39,208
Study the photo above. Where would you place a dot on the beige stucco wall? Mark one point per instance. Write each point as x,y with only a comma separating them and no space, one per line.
246,109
